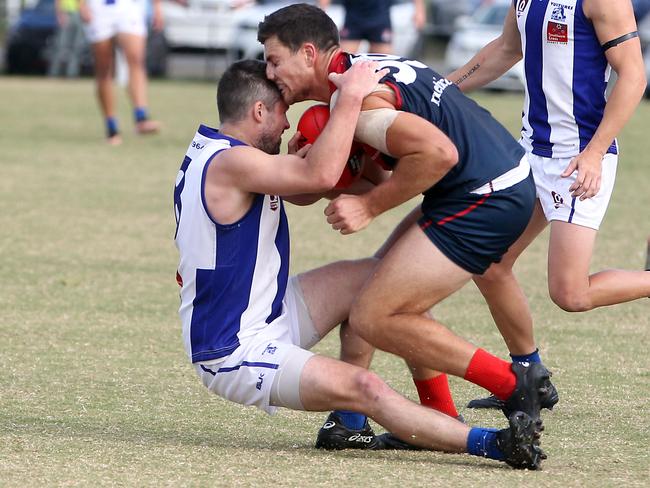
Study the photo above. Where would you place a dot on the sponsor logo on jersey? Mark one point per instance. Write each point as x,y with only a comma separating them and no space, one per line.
558,201
260,380
557,33
438,87
558,12
274,202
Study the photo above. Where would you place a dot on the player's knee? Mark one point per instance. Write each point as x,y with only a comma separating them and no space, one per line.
496,273
568,299
368,385
364,319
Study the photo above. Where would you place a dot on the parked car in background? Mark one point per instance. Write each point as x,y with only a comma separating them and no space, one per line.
30,42
476,31
442,15
406,39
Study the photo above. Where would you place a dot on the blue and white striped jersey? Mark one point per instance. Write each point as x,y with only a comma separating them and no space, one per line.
566,77
233,277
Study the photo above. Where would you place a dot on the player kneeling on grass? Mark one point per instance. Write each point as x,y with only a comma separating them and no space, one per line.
247,325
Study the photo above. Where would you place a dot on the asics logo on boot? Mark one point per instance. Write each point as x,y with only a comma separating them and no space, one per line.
329,424
366,439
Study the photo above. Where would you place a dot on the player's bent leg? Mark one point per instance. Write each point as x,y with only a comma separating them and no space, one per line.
570,285
505,298
408,281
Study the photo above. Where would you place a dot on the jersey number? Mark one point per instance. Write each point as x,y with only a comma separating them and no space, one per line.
178,189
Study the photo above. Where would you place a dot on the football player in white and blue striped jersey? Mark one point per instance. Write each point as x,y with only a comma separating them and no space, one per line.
247,325
569,129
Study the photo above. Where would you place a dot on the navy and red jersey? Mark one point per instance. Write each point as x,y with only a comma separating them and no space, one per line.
486,149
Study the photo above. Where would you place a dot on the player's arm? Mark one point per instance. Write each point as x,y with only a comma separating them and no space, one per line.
254,171
615,27
425,155
493,59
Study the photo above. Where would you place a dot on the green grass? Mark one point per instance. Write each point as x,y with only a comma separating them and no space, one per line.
95,388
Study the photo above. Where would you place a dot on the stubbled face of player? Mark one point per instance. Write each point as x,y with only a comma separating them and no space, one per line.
288,70
275,124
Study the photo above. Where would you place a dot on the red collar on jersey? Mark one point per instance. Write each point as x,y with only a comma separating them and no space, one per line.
340,62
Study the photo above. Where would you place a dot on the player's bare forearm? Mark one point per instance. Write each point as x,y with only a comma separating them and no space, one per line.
493,60
413,175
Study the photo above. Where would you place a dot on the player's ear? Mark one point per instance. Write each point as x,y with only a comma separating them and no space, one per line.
310,53
258,109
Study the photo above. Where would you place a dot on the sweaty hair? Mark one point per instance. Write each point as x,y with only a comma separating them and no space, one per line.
296,24
241,85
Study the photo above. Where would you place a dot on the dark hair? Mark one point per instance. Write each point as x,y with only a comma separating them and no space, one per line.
296,24
241,85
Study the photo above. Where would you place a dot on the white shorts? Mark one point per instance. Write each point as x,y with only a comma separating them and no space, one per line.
265,369
119,17
555,197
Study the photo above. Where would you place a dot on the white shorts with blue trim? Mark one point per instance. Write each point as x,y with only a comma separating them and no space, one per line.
555,197
264,371
112,17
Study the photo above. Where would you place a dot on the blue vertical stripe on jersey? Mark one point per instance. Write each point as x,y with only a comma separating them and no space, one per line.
282,245
538,110
223,294
589,85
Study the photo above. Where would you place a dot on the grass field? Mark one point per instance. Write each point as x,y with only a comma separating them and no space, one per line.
95,388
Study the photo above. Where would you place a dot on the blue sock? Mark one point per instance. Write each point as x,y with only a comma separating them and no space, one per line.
533,357
111,126
483,442
140,114
352,420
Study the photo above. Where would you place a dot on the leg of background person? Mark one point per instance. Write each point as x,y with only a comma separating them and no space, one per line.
60,51
570,285
504,296
350,46
134,48
381,48
103,53
76,46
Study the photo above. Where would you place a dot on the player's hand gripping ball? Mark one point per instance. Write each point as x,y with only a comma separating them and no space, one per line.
311,124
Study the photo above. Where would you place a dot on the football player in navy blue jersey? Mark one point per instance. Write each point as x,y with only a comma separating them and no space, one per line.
478,199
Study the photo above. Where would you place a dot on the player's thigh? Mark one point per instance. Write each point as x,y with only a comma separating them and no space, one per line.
399,231
412,277
329,291
133,46
103,55
569,256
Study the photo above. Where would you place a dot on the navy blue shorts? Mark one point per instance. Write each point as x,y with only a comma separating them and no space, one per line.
475,231
376,30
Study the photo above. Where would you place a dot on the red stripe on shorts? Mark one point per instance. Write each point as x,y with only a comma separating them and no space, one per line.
458,214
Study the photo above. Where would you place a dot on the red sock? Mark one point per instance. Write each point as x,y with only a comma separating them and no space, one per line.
435,393
491,373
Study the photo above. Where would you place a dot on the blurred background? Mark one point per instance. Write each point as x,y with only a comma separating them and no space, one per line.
201,37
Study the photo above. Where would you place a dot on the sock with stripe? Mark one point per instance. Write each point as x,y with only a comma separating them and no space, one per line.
352,420
533,357
492,373
435,393
483,442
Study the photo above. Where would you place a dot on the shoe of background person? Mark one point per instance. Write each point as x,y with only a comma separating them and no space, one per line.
388,440
334,435
495,403
147,126
114,140
532,389
520,442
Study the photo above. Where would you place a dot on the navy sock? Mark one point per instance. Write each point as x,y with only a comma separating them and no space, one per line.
111,126
352,420
483,442
533,357
140,114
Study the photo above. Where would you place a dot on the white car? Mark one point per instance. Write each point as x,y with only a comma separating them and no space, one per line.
405,37
476,31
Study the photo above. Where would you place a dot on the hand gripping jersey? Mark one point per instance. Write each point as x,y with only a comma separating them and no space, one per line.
566,77
233,277
486,149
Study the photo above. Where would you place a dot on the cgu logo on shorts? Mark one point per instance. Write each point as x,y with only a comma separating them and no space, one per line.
558,201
